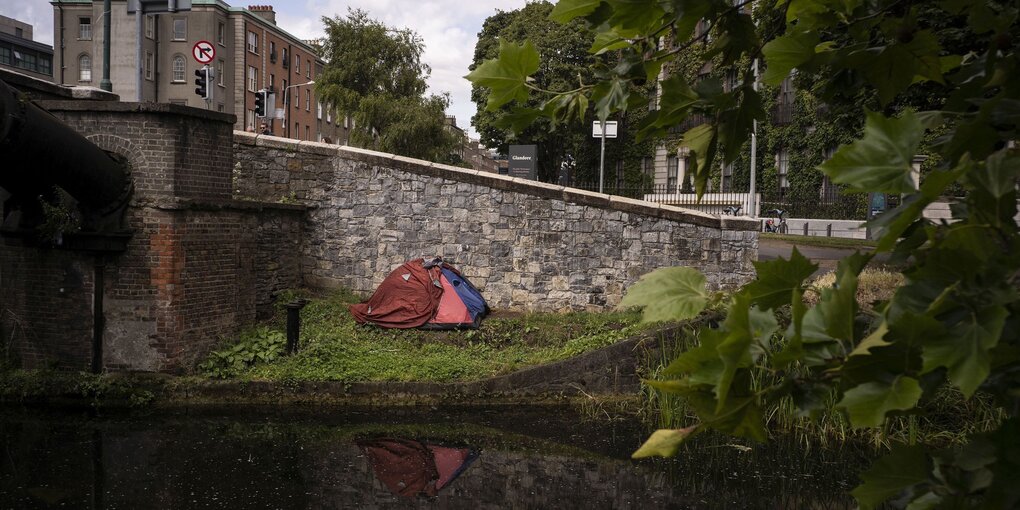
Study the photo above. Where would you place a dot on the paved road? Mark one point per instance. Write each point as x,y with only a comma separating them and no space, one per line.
825,257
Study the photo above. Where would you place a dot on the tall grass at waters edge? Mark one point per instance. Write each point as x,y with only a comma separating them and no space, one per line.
946,419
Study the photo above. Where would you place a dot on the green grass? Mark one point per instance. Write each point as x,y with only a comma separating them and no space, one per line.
335,348
825,242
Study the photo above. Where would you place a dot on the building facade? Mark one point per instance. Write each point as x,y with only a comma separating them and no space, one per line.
251,53
20,53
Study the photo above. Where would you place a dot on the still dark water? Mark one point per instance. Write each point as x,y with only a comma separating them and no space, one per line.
504,457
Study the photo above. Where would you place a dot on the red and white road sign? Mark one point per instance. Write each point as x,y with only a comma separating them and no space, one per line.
204,52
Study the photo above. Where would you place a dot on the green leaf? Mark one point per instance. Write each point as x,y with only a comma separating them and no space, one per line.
701,364
610,97
606,39
875,339
663,443
668,294
965,350
778,278
737,123
999,175
702,141
518,119
744,326
506,76
634,17
785,53
903,468
882,160
566,10
868,403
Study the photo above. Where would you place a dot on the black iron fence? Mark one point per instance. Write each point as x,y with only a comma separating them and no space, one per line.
800,204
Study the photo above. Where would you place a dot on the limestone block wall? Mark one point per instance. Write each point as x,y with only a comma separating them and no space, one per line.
526,245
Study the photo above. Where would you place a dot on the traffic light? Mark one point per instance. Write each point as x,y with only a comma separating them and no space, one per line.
260,102
202,81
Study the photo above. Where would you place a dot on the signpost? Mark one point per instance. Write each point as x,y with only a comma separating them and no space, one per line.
603,129
523,161
204,52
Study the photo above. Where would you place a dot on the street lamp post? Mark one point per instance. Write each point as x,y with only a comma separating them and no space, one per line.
286,105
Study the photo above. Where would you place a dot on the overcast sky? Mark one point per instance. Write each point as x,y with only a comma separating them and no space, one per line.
449,28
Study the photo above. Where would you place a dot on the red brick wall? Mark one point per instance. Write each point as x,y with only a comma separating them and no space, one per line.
198,267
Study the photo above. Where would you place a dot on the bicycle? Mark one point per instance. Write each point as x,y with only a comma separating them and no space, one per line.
731,210
779,228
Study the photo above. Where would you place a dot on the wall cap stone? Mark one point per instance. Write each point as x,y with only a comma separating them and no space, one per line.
180,204
129,107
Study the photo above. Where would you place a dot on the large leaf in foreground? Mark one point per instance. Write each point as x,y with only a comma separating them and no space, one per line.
663,443
778,278
882,160
668,294
888,476
868,403
506,76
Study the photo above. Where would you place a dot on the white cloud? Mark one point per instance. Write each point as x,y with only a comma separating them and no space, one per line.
448,27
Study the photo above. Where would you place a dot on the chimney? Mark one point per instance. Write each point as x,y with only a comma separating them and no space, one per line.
265,12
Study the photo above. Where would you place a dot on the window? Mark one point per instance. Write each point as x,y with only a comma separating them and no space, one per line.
272,81
647,168
221,32
219,72
286,99
19,33
150,27
5,56
177,69
45,65
783,169
732,81
253,42
85,68
329,116
308,100
285,58
297,64
308,70
253,79
308,134
727,178
148,65
272,52
672,169
318,110
180,29
297,130
85,28
249,120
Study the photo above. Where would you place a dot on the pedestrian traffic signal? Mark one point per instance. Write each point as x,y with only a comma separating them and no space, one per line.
202,82
260,102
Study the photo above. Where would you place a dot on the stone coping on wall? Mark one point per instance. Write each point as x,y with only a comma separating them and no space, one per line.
502,182
130,107
36,87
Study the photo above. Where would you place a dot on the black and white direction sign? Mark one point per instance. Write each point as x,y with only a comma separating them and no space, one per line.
204,52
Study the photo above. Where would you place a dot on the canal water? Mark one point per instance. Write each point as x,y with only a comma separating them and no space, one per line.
328,458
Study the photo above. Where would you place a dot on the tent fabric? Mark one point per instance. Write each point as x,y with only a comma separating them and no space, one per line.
410,468
426,293
407,298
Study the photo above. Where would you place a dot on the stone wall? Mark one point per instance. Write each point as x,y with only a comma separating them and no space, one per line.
526,245
198,264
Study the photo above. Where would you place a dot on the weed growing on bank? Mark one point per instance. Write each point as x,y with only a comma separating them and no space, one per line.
335,348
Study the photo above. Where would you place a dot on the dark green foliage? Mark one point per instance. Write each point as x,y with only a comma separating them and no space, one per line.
375,74
955,320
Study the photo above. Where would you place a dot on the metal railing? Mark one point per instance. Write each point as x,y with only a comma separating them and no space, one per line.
804,204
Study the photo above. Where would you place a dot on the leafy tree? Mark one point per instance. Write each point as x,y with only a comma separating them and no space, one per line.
563,60
954,322
375,73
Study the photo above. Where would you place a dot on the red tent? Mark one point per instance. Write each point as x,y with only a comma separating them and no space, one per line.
423,293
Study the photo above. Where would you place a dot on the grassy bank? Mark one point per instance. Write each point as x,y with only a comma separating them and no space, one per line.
335,348
824,242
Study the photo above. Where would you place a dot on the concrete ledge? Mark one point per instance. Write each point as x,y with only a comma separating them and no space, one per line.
124,107
588,198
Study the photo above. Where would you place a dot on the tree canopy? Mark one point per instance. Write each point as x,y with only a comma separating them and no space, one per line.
955,321
375,73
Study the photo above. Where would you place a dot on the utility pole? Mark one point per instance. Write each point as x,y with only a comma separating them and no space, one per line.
752,200
106,84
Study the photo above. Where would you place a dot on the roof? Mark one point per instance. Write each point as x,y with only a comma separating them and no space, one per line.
26,43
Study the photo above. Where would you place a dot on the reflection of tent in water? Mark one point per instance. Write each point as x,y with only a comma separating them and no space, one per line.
409,468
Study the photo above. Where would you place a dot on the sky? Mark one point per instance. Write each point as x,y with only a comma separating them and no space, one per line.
449,28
